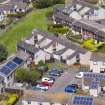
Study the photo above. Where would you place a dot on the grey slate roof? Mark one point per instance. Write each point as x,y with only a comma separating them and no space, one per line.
30,48
60,40
52,37
10,5
98,57
86,24
60,52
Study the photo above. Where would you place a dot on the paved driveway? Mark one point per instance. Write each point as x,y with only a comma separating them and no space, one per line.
68,77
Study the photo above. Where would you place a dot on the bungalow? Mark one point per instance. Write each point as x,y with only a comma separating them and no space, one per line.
42,46
83,18
97,63
94,83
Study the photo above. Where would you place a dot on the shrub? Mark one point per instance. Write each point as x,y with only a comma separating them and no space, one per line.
41,63
27,75
12,100
3,53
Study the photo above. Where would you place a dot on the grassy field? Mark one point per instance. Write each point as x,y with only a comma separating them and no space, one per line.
35,19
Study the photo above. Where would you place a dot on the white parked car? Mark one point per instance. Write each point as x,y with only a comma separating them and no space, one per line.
47,79
79,75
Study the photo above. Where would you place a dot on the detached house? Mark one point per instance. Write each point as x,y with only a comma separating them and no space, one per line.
42,46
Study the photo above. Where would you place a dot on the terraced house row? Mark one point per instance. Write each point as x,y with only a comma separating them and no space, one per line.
83,18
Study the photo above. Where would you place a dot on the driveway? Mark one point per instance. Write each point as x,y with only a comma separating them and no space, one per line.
68,77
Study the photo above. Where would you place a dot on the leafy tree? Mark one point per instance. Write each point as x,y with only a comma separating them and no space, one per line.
3,53
41,63
27,75
46,3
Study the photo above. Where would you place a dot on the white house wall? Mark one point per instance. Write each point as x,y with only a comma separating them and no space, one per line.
37,103
97,67
56,56
40,55
71,61
85,58
47,56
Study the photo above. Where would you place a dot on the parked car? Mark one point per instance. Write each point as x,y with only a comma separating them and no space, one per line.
71,88
79,75
57,70
46,84
52,77
47,79
54,73
40,87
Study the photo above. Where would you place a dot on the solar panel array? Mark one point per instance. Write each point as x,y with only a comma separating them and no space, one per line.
94,75
95,79
11,66
82,100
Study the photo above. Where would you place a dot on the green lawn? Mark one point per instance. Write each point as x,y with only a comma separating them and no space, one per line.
35,19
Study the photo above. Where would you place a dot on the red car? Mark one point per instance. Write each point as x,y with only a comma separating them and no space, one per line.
46,84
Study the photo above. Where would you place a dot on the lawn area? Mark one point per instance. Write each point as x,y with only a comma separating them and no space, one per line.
35,19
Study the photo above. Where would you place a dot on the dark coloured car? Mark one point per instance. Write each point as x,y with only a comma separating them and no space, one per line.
54,73
71,88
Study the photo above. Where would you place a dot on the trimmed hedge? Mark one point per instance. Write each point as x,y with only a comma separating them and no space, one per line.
57,28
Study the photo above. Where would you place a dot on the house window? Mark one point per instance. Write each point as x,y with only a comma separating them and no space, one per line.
94,63
29,102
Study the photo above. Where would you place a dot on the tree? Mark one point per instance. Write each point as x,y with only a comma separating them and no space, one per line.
46,3
3,53
28,76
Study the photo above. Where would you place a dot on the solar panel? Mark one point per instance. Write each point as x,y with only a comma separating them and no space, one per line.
93,75
17,60
94,85
11,65
5,70
82,100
